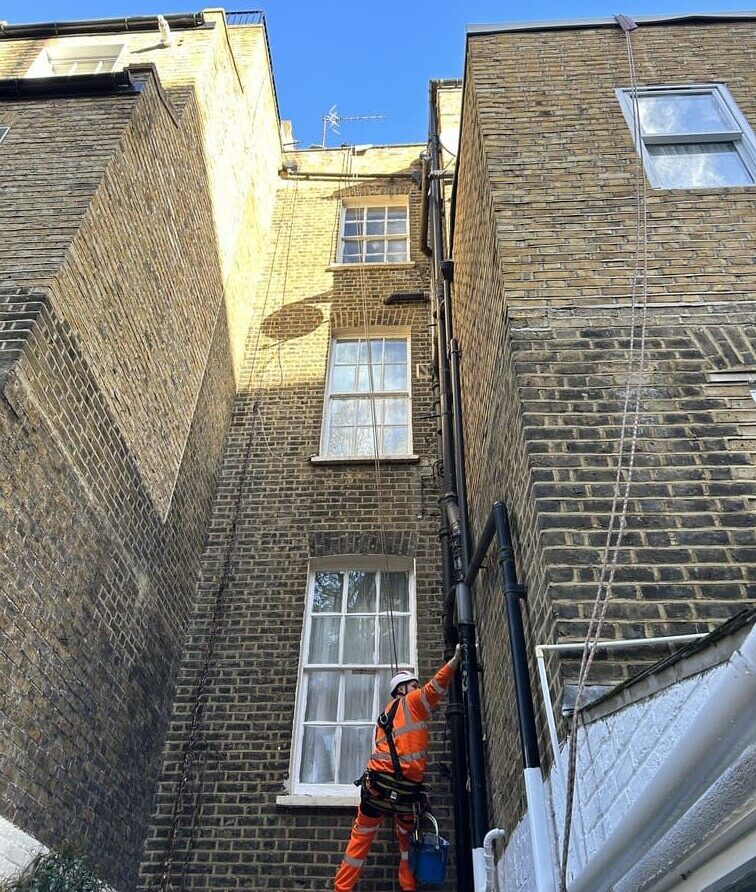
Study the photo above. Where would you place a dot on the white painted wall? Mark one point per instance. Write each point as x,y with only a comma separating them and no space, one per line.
17,849
618,757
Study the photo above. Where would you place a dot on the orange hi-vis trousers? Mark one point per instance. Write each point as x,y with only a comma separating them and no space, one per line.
357,849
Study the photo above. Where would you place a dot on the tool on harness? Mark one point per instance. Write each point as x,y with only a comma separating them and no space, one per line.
428,852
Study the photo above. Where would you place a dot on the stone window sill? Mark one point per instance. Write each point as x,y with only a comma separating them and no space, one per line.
364,460
305,800
339,267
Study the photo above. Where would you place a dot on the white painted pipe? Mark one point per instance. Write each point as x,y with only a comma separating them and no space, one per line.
540,837
479,869
625,642
724,727
488,854
574,646
549,707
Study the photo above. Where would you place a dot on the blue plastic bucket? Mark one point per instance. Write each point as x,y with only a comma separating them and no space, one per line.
428,854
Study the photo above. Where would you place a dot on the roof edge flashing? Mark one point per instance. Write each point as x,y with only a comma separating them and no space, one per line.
39,30
75,85
610,22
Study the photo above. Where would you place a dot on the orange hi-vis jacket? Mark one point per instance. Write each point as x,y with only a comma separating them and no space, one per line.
411,728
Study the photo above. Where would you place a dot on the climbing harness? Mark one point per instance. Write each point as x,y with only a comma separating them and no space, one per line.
386,724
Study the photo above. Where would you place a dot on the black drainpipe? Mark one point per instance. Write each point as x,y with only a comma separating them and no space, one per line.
498,525
455,710
458,595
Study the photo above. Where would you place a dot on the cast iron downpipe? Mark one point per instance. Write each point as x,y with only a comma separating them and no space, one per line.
498,525
455,709
456,516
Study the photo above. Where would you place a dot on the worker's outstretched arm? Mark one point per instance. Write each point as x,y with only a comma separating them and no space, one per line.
425,699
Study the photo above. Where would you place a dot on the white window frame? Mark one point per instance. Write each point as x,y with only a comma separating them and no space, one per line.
742,136
370,563
393,332
110,56
372,201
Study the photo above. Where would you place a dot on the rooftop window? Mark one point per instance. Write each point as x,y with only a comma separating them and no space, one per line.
691,137
69,59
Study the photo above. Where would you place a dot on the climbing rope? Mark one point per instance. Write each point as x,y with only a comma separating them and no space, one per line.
610,557
376,444
193,762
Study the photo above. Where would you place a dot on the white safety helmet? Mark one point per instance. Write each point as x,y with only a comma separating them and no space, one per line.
401,677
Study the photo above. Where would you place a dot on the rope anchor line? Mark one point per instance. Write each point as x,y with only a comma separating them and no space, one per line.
633,393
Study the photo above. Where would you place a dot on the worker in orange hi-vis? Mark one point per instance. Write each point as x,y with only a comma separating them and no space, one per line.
393,782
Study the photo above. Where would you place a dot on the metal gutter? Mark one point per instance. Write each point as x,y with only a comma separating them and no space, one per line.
102,26
73,86
572,24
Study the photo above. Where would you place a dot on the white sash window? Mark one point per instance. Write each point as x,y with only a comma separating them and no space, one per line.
345,667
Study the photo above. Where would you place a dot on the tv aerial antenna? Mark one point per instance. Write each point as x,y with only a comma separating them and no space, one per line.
332,120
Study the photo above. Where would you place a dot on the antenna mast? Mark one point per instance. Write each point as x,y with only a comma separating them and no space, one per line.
332,120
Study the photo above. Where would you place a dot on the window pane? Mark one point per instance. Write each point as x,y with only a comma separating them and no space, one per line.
359,639
340,441
395,592
356,744
318,757
401,635
395,411
683,113
365,411
396,350
397,252
376,213
395,377
698,165
353,229
342,378
375,246
322,696
361,592
345,352
353,214
324,639
358,696
365,441
384,692
343,412
396,213
327,593
397,227
395,441
352,252
375,227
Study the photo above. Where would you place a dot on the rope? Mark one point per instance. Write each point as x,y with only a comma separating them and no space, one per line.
376,450
163,880
609,566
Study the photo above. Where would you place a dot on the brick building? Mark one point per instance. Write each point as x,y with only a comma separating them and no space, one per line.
545,215
205,335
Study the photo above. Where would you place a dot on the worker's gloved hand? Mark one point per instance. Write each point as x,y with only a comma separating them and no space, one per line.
457,658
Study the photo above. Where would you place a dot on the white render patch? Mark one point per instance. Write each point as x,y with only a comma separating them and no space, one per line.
618,757
17,849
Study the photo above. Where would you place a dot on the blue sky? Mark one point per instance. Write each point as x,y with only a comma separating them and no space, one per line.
367,58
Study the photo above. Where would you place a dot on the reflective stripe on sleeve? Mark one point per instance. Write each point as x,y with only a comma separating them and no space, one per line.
353,862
